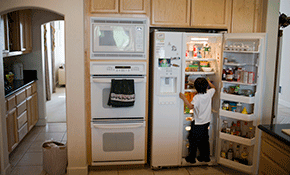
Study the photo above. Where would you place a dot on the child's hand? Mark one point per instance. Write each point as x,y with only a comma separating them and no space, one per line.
181,95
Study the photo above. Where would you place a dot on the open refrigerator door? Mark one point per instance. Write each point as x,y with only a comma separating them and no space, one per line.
240,108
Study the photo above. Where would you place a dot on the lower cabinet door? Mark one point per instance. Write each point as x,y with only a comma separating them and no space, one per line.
12,135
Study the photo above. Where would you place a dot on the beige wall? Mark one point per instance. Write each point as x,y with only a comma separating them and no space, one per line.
72,10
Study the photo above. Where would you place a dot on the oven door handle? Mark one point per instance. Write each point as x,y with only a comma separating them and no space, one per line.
118,126
108,80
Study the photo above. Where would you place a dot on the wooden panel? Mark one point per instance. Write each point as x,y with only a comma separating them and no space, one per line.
29,113
12,135
104,6
268,167
277,155
211,13
21,119
243,16
25,23
20,96
133,6
34,103
33,88
28,91
11,102
170,13
22,132
21,108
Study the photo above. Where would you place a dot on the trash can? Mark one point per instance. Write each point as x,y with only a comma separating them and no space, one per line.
54,157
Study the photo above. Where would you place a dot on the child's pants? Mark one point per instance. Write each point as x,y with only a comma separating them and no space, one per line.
198,138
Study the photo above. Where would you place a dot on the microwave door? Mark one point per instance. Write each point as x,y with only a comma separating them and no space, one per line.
113,38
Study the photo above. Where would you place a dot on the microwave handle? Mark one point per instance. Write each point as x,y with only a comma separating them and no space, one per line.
118,126
108,80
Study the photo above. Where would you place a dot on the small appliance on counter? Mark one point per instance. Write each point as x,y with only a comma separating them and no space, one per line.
18,71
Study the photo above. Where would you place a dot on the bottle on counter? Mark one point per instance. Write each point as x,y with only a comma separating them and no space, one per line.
230,153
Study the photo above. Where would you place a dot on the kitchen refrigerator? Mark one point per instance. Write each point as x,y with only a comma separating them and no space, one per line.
235,64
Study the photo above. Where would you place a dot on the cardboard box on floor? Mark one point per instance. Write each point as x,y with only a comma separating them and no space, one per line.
54,157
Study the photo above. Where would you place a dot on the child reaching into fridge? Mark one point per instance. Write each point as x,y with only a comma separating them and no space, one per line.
201,105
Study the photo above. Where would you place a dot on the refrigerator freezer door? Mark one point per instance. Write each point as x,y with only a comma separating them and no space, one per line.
166,149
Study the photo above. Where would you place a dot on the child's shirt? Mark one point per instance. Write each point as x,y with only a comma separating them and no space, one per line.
202,107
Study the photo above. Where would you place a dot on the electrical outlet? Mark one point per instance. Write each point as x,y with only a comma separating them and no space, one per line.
280,89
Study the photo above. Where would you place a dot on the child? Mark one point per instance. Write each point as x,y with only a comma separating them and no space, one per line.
201,105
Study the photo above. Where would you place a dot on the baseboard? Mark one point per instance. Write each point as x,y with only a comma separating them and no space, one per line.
284,103
7,170
41,122
77,170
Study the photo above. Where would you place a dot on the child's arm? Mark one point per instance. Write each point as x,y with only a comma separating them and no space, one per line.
188,104
210,84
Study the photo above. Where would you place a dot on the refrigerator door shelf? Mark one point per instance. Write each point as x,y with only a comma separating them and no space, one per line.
199,73
235,165
190,90
249,52
200,59
235,64
237,115
239,83
238,139
237,98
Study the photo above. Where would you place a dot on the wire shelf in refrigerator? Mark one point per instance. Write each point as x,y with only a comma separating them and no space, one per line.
232,51
236,165
237,115
238,139
235,64
240,83
200,59
199,73
237,98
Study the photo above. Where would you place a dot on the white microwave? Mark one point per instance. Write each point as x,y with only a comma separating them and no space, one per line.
118,38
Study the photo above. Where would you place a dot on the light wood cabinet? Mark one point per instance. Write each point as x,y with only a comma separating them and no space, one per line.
119,6
211,13
274,156
170,13
22,114
17,33
248,16
12,135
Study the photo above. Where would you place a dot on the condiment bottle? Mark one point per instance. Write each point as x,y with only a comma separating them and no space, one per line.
224,126
244,156
239,107
244,111
230,75
230,154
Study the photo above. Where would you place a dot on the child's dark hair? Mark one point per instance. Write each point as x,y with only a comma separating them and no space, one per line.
201,85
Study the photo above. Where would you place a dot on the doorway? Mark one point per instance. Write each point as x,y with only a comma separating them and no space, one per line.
52,34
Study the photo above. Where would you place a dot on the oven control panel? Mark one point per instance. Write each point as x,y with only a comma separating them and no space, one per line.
108,68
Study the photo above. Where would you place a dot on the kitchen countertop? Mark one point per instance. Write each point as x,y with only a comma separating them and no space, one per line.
276,131
17,85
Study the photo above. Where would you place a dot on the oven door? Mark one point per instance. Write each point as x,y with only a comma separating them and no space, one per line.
100,91
118,140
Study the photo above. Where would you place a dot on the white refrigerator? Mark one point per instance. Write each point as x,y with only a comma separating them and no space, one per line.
235,64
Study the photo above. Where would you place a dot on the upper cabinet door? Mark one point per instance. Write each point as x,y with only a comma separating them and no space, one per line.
248,16
104,6
133,6
211,13
170,13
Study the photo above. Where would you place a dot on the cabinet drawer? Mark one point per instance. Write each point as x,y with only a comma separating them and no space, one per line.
33,88
11,102
276,154
22,119
20,96
28,91
22,132
21,107
268,167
